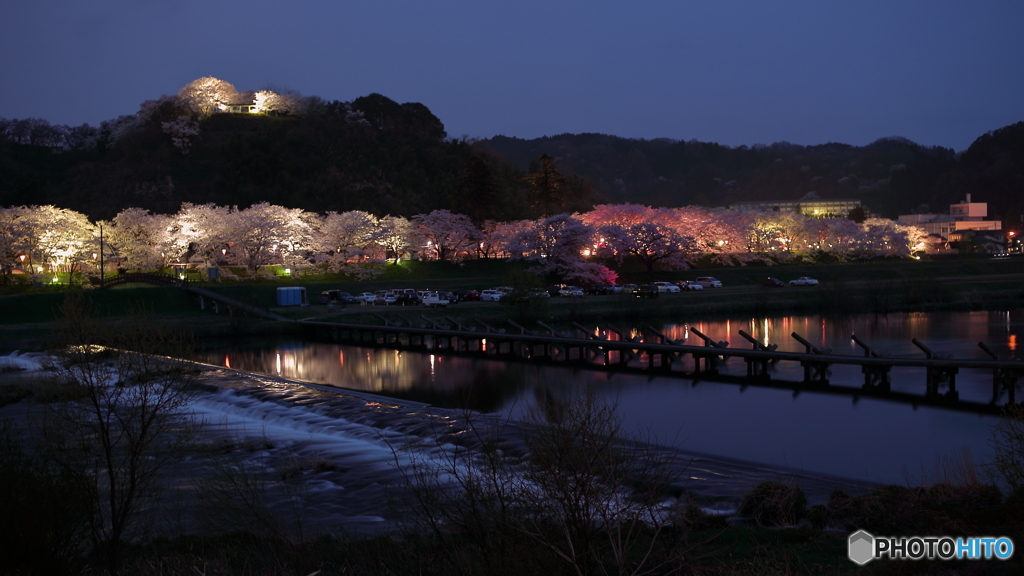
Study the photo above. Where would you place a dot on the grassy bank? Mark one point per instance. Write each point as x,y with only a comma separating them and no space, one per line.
875,287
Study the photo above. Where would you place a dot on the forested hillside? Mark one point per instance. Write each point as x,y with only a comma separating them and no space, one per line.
892,175
371,154
383,157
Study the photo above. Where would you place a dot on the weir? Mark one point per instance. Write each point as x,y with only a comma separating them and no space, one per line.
656,354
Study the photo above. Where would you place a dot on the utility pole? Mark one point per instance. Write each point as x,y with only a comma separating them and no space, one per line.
103,278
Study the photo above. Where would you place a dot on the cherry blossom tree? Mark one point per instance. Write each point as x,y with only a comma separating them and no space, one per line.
17,239
838,237
269,101
265,234
621,215
65,238
113,130
714,230
395,236
917,239
182,132
883,237
197,229
448,236
496,238
138,238
558,243
347,235
207,95
651,243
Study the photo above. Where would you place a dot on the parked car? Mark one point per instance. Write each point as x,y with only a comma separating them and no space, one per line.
770,282
709,282
666,287
434,300
646,291
571,292
367,297
803,281
466,295
526,295
328,296
555,290
388,298
604,289
689,286
451,297
491,296
407,299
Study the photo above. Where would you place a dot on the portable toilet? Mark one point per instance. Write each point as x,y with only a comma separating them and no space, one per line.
292,296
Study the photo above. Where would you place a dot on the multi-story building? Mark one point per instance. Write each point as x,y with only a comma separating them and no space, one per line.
808,206
949,229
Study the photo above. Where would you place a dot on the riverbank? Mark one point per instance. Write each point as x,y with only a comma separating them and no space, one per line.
875,288
328,464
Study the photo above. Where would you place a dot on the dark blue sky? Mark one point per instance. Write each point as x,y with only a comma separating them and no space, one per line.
735,72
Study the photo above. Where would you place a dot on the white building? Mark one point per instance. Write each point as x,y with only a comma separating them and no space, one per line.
966,215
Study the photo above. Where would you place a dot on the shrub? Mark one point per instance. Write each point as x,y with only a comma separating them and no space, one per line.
45,511
774,503
1007,466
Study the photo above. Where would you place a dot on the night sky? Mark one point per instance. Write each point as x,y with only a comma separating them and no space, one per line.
734,72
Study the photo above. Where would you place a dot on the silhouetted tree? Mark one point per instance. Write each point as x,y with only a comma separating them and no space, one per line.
476,195
547,186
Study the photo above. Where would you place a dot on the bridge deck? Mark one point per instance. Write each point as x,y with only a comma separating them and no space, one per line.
667,359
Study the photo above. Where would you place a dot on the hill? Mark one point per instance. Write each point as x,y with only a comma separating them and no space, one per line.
377,155
371,154
891,175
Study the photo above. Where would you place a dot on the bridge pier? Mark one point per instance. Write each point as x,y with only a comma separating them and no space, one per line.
710,361
1005,379
815,372
757,368
876,377
939,375
936,375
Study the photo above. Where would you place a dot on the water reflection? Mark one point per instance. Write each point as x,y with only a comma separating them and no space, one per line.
949,332
866,439
451,382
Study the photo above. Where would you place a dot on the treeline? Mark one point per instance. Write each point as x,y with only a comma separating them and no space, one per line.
40,241
371,154
376,155
891,176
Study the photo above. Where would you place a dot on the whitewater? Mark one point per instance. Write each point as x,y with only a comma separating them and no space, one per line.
353,451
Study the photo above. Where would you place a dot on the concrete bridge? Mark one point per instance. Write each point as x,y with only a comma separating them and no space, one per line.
656,354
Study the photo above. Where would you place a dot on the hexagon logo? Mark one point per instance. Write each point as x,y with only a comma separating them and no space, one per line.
860,547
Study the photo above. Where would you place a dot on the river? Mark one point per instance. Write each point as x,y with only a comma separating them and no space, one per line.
865,440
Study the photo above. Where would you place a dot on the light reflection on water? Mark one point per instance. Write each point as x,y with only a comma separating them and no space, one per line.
866,439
